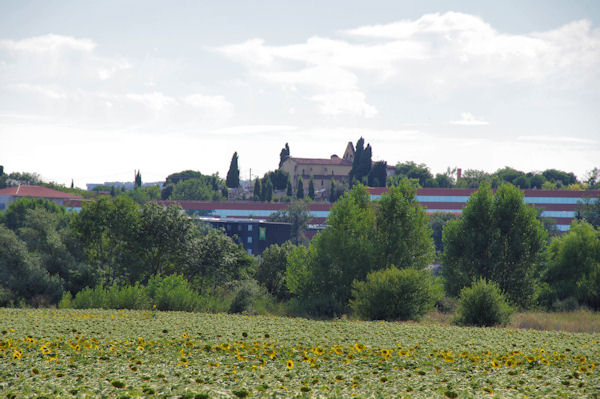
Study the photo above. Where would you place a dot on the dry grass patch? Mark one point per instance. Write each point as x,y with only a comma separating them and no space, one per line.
579,321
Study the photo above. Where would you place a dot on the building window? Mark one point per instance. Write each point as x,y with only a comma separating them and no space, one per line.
325,169
228,227
249,227
239,227
321,183
249,251
249,240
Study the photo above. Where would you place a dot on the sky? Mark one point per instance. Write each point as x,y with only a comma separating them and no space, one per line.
92,91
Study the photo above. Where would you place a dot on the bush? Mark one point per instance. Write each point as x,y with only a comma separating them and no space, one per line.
114,297
394,294
246,295
173,293
482,304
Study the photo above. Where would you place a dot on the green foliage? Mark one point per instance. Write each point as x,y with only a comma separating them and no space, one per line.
289,192
22,277
14,217
311,189
497,238
300,189
284,154
559,177
164,238
271,268
173,293
279,178
361,165
472,178
589,211
197,190
437,221
233,174
247,292
267,191
482,304
141,195
257,190
411,170
377,176
394,294
336,190
216,259
24,178
572,267
403,237
112,297
138,179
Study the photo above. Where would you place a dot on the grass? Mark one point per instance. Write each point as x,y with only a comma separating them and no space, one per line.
579,321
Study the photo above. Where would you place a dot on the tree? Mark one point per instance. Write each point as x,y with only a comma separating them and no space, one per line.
284,154
15,215
267,191
163,239
322,275
233,175
403,237
311,189
138,179
300,189
257,190
572,267
497,238
378,174
589,211
21,276
289,192
141,195
411,170
361,165
196,190
298,216
437,221
107,230
472,178
279,178
592,179
216,260
559,177
336,190
270,271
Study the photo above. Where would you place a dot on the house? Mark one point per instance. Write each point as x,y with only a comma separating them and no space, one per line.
321,170
10,194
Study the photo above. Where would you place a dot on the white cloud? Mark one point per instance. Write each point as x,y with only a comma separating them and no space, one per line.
51,92
214,104
434,55
48,43
557,140
467,119
244,130
344,102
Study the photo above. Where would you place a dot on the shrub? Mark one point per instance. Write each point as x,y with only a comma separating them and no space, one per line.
247,293
482,304
172,293
394,294
114,297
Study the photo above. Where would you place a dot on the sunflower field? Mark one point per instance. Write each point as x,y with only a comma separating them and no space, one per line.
103,353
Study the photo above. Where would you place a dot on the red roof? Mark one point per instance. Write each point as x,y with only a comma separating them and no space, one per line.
321,161
36,191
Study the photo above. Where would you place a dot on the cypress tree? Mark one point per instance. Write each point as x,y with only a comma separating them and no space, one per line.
257,190
311,189
300,189
332,191
284,154
267,191
138,179
233,175
290,191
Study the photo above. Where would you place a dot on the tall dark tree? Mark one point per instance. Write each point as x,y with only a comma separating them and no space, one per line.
72,184
284,154
138,179
361,165
233,175
267,190
311,189
300,189
289,191
378,174
257,189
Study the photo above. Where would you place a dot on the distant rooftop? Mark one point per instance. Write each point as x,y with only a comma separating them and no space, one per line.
36,191
334,160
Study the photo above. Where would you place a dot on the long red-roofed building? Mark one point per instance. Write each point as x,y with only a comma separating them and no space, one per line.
10,194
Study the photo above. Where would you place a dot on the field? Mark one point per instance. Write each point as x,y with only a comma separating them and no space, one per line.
67,353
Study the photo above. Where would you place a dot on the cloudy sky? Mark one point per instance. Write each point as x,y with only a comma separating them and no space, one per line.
91,91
